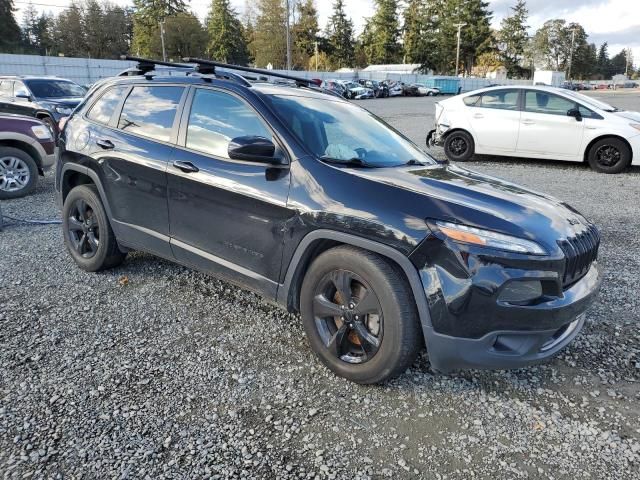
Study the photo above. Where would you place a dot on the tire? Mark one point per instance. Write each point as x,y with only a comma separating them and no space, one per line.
380,336
609,155
18,173
459,146
84,219
430,94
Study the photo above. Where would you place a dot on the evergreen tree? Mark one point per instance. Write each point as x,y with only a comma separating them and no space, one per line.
10,35
28,27
603,62
184,37
340,37
513,39
476,36
69,33
227,42
381,42
552,43
146,20
305,33
414,32
270,34
618,63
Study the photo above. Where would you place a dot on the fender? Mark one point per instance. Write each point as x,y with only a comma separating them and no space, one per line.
70,166
285,292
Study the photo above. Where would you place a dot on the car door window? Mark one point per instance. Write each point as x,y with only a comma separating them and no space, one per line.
544,102
103,109
216,118
150,111
20,89
500,99
588,113
6,88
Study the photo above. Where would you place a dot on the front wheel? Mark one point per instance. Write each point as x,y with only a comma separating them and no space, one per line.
18,173
609,155
359,315
459,146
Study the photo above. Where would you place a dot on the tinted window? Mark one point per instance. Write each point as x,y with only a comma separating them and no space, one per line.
150,111
55,88
587,113
543,102
20,89
6,88
103,109
216,118
501,99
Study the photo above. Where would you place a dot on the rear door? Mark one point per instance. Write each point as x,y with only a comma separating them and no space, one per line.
495,120
546,129
226,215
6,96
132,147
21,104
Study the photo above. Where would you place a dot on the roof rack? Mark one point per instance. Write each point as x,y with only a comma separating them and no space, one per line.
299,80
146,65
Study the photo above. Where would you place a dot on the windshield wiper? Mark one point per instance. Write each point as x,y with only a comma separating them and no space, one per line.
346,161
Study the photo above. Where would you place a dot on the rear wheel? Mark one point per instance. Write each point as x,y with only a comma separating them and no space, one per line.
18,173
359,315
87,233
459,146
609,155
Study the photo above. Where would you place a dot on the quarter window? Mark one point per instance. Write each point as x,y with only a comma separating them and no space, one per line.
216,118
20,89
6,88
500,99
543,102
103,109
471,100
150,111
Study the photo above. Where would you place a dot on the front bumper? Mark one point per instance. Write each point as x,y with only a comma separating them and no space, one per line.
537,331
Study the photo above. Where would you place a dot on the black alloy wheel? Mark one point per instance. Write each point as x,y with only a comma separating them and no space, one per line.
609,155
459,146
83,229
348,316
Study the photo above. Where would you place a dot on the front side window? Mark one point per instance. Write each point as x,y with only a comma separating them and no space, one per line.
500,99
20,89
50,88
103,109
216,118
6,88
548,103
150,111
341,131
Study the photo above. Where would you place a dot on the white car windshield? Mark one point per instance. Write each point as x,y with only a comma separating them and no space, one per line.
591,101
345,133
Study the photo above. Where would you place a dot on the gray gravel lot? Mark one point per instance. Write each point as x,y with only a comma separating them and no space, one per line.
152,370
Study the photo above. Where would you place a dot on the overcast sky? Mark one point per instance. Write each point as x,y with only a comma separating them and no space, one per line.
615,21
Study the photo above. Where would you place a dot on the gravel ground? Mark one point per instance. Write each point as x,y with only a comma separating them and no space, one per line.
152,370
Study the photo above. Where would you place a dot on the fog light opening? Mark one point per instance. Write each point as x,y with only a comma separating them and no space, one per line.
521,291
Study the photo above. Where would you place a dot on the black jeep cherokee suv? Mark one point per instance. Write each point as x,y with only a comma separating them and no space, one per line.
321,207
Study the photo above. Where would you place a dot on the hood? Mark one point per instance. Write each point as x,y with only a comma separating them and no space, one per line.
71,102
468,197
633,116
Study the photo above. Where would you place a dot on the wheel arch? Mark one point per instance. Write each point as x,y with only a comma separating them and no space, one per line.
27,148
72,175
318,241
585,156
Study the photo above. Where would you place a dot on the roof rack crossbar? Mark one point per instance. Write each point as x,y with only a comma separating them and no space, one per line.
299,80
146,65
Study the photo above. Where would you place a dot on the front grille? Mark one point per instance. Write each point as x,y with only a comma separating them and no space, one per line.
579,252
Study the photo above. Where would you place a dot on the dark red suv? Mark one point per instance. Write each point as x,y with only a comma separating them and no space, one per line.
27,149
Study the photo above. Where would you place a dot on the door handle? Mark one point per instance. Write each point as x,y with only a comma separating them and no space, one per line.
104,143
478,115
528,122
186,167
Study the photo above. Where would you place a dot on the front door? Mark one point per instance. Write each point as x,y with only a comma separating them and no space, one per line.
495,121
227,216
546,129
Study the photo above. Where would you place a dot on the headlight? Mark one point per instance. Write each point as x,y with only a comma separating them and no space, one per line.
64,110
41,132
635,125
486,238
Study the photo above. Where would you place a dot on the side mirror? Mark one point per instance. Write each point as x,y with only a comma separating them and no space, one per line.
575,113
254,149
26,96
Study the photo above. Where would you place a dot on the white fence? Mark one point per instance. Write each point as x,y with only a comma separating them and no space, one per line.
86,71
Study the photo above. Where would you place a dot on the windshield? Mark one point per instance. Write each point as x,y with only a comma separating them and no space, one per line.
54,88
343,132
591,101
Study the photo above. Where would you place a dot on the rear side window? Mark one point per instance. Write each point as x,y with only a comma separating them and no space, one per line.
103,109
500,99
543,102
471,101
6,88
216,118
150,111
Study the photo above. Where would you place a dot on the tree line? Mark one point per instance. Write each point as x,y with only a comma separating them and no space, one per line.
420,32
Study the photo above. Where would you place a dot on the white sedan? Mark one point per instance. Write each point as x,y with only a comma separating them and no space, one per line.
429,91
537,122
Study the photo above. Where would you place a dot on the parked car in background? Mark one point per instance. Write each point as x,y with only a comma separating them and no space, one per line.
46,98
380,90
410,90
429,91
27,149
395,89
355,91
570,86
537,122
335,86
330,213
